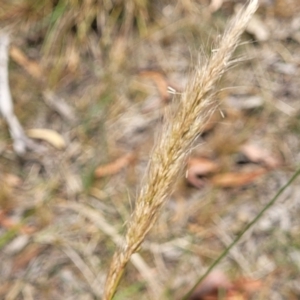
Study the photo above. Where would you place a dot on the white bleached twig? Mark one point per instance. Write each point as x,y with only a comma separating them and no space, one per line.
20,140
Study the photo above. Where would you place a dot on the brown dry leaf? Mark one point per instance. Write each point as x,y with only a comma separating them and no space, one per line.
160,80
9,223
248,285
217,281
258,28
5,288
234,295
114,167
24,258
73,59
209,288
211,123
118,52
48,135
259,155
12,180
199,167
215,5
30,66
230,180
59,105
228,295
286,8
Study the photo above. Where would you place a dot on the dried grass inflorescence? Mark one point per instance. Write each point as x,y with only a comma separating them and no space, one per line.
175,142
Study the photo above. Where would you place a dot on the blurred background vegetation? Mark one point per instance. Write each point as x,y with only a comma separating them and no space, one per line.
97,73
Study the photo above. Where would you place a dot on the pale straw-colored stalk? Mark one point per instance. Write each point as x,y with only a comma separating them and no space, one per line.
175,142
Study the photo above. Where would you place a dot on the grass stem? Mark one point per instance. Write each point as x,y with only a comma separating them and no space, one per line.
175,142
249,225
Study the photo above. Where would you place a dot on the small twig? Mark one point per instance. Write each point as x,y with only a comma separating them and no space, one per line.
59,105
84,268
20,140
226,251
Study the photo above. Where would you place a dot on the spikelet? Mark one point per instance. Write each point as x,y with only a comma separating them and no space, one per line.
177,137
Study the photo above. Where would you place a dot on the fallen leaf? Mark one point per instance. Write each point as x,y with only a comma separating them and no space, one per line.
114,167
5,288
230,180
24,258
160,80
286,68
258,29
211,123
73,58
225,295
248,285
210,287
216,284
17,244
245,103
215,5
118,52
12,180
286,8
9,223
199,167
30,66
259,155
59,105
48,135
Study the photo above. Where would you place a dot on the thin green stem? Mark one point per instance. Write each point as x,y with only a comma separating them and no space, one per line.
249,225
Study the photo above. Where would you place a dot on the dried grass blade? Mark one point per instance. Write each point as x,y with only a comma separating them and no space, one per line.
177,137
98,219
33,68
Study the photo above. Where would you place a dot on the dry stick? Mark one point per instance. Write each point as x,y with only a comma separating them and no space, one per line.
174,144
6,104
20,141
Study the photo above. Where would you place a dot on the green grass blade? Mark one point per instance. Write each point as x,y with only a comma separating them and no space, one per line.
225,252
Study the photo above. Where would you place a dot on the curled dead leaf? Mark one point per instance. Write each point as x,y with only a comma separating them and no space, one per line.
231,179
48,135
198,168
115,166
160,80
30,66
248,285
216,282
259,155
11,180
9,223
118,52
212,122
24,258
59,105
258,28
162,83
215,5
209,288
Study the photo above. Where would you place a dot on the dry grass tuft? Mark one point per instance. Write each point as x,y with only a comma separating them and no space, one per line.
175,142
67,31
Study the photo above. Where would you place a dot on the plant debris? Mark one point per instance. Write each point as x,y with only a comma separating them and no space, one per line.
92,83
